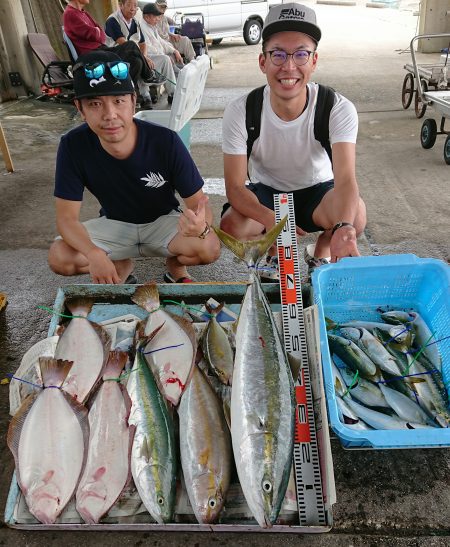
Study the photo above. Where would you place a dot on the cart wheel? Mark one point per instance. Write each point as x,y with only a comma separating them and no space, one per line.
428,133
419,106
407,90
447,150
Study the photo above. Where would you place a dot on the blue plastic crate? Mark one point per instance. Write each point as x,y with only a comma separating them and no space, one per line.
353,289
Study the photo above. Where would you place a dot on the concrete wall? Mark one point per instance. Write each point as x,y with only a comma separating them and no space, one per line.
434,19
17,19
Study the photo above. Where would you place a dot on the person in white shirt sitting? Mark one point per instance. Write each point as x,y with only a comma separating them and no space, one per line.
181,43
166,59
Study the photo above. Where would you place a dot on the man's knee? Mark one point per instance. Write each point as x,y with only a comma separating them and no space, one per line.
228,225
211,252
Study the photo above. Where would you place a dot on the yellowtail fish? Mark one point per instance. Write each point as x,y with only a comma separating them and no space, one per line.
205,448
262,399
153,455
217,348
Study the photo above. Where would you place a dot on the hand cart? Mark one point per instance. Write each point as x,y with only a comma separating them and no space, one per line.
436,76
439,99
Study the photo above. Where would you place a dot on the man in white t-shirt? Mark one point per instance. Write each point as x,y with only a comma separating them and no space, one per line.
286,157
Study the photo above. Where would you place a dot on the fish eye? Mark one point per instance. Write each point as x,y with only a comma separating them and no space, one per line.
267,486
160,500
212,503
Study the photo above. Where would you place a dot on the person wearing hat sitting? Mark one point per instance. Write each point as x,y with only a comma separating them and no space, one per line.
166,58
87,35
133,168
122,27
181,43
286,157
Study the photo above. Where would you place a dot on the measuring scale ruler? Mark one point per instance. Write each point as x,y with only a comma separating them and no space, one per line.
311,507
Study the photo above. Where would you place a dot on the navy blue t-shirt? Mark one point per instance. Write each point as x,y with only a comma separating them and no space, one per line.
138,189
113,30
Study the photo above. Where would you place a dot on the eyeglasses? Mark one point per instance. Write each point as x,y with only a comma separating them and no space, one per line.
118,69
279,56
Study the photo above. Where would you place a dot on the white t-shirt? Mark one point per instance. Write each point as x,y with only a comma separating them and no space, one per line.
286,156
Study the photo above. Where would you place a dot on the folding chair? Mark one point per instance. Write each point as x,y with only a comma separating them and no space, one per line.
73,53
192,26
57,79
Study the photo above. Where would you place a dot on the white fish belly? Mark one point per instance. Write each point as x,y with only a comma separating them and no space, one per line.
49,475
81,344
107,466
170,366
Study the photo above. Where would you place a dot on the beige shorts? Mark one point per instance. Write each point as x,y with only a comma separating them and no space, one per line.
124,240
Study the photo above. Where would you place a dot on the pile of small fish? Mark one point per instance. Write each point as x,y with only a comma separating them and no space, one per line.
104,423
388,374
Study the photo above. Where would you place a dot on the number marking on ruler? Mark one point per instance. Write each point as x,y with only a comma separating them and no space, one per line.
311,508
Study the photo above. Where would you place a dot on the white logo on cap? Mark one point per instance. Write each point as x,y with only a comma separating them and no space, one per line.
95,82
291,13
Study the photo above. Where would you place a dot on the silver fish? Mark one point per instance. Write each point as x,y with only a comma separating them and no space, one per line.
48,438
373,348
348,417
424,336
262,399
365,391
107,469
352,355
378,420
205,448
404,407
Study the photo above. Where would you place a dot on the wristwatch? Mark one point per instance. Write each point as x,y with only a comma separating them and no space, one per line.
205,231
340,225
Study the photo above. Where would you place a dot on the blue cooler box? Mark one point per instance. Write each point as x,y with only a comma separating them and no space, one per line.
353,289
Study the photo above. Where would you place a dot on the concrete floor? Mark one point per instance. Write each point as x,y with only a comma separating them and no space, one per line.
399,498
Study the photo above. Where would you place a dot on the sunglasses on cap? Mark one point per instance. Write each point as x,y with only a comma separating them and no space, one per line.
118,69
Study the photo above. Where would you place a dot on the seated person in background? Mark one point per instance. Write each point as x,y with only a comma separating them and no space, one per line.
122,27
286,157
133,168
87,35
161,52
182,43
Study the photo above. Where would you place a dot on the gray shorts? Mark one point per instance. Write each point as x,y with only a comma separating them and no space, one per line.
124,240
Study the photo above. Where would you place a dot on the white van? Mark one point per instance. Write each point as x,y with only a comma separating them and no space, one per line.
222,18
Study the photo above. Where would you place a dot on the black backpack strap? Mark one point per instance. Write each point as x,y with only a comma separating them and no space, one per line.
325,101
253,109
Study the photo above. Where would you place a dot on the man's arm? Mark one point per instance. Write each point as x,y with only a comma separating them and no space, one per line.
75,235
240,198
346,203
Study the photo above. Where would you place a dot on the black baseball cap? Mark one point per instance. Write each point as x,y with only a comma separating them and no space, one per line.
106,84
151,9
291,17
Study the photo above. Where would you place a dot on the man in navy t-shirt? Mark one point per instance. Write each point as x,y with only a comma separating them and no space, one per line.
133,168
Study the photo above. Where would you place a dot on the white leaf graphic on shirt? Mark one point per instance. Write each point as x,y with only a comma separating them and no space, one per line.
154,180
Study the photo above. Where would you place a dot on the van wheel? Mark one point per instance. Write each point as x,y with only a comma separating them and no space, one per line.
252,32
216,41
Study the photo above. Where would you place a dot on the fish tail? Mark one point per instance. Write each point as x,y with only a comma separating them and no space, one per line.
214,311
116,361
80,306
251,251
147,297
54,371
